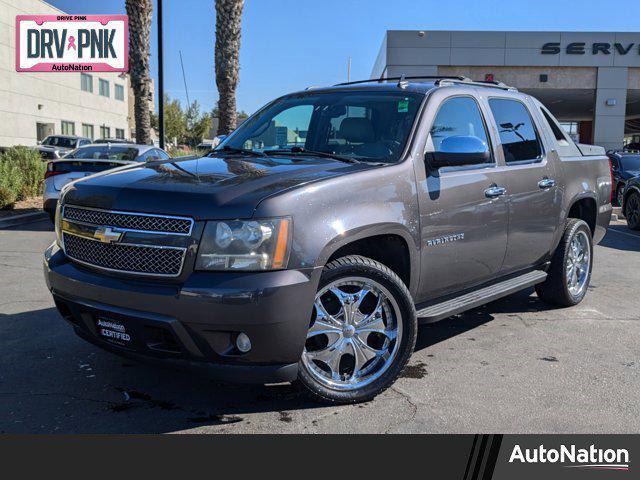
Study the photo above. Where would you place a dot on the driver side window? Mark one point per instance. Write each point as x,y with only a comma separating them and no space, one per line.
458,117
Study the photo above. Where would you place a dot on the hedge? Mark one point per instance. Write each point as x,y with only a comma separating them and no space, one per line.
21,175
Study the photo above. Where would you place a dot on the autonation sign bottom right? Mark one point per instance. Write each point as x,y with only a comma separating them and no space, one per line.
579,456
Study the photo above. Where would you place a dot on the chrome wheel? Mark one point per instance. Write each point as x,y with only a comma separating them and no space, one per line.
354,334
578,263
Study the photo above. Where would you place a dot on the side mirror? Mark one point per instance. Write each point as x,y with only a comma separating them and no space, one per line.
459,150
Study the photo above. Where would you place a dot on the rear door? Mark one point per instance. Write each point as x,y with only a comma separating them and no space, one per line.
533,195
463,225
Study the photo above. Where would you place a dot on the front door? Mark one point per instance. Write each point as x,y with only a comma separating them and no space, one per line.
533,196
463,212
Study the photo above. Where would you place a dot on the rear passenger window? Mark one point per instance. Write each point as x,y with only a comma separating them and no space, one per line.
458,116
557,131
518,135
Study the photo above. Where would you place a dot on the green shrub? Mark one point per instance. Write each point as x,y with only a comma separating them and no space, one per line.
21,175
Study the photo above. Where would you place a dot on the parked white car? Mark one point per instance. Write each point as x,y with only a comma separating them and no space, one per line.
90,159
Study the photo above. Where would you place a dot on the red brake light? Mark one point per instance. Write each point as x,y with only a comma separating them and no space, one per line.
51,172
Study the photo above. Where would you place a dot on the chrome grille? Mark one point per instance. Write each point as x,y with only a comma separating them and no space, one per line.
122,257
130,221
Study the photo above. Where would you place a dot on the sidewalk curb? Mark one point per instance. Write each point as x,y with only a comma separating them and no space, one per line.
22,219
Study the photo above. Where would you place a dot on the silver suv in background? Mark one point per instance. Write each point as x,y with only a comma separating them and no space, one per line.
57,146
88,160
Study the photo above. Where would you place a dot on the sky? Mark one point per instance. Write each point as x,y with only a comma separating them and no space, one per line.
289,45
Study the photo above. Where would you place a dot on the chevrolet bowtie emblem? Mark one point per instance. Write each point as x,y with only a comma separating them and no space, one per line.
107,235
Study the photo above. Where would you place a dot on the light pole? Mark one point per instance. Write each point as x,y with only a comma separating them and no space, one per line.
160,78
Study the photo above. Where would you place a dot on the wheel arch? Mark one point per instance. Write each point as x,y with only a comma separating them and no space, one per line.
388,243
585,207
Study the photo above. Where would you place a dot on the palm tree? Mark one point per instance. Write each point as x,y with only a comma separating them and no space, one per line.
227,53
140,13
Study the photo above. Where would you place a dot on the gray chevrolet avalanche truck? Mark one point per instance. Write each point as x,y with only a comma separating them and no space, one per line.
310,244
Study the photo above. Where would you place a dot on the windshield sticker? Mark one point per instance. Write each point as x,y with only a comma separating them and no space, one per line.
403,106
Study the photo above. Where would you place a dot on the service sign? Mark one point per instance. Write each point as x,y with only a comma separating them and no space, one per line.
72,43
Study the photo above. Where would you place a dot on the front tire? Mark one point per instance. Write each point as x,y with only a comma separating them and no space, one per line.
361,334
632,211
570,271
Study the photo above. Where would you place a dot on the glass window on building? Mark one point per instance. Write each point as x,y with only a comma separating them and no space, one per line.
120,133
86,82
105,132
43,130
68,128
87,131
104,87
119,92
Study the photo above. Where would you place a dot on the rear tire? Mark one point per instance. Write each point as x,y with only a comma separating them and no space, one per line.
570,271
361,334
632,211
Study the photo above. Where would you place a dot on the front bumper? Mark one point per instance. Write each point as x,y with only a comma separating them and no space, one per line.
194,323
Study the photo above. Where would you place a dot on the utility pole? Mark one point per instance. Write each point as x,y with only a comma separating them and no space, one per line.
349,70
160,78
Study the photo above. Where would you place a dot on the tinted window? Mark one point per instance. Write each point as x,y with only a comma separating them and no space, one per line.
105,153
362,125
63,142
518,135
459,116
557,132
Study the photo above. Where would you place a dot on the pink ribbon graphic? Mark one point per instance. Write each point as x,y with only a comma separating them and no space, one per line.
72,43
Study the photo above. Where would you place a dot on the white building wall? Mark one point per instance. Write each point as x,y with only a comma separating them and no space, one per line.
28,97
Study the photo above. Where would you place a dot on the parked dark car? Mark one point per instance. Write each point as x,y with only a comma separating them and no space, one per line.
310,242
624,165
631,203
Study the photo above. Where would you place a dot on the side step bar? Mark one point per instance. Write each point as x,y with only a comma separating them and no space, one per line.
456,305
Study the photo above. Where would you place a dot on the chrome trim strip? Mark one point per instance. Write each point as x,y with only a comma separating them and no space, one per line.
131,214
128,272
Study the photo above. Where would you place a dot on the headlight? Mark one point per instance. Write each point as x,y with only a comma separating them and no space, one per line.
245,245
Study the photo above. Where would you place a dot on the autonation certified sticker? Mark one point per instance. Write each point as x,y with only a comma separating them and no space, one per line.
72,43
113,331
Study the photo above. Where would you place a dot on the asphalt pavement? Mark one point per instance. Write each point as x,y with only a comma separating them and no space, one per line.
513,366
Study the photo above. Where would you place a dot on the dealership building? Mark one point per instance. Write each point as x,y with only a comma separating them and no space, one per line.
34,105
590,81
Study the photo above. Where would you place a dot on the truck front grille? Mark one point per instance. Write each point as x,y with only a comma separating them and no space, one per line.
122,257
130,221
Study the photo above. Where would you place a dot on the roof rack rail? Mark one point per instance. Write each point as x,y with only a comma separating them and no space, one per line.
476,83
440,80
401,78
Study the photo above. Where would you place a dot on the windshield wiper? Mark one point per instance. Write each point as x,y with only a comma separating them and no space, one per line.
243,151
312,153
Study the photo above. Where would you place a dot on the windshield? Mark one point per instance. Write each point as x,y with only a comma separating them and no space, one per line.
630,162
365,126
104,153
63,142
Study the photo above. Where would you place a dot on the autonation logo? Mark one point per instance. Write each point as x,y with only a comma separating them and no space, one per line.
573,457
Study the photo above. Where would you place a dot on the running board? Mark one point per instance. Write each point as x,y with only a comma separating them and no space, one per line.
456,305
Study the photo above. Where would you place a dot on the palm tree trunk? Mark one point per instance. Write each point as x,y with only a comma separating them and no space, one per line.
227,53
140,13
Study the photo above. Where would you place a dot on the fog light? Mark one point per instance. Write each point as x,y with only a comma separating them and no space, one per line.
243,343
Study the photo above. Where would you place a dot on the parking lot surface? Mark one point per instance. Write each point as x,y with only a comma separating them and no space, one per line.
513,366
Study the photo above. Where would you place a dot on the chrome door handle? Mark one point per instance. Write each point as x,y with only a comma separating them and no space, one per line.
495,191
547,183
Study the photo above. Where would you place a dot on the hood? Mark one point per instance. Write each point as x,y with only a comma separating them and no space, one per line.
51,148
204,188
